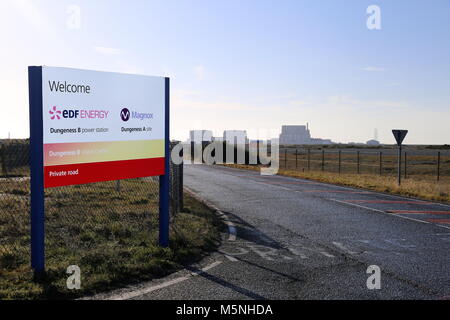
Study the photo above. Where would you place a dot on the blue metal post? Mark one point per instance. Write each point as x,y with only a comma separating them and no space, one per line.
164,181
36,171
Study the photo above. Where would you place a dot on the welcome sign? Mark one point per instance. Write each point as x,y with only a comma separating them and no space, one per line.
100,126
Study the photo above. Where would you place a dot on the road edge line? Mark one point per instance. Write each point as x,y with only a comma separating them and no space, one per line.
141,292
232,231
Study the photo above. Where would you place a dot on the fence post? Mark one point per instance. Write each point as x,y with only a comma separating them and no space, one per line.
164,181
309,159
438,164
381,163
357,161
406,160
339,162
285,158
3,160
296,158
323,159
181,182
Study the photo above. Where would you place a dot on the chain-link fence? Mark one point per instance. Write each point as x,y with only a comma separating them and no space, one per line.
83,223
426,164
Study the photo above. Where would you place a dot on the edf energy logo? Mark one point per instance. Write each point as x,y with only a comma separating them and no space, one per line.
55,113
125,114
77,114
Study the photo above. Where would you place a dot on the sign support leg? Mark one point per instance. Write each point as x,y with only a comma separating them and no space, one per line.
36,172
164,181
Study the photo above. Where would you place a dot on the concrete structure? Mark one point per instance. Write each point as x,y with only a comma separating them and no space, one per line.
296,134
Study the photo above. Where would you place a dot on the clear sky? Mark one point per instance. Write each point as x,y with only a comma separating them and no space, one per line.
249,64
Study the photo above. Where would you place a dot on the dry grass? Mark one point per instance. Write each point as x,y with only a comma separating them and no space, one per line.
423,165
414,186
112,236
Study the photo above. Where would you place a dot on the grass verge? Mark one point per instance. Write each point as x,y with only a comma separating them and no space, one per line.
112,236
414,186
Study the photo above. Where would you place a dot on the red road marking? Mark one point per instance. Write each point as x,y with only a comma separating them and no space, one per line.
338,191
443,221
389,201
418,212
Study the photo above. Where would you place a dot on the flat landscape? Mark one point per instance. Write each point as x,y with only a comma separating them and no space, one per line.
425,171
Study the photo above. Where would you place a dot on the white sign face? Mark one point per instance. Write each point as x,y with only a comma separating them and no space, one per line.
100,123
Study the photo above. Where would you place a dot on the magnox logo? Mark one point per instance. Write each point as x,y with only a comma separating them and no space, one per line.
125,114
55,113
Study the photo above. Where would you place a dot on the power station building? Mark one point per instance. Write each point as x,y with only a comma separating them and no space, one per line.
299,135
235,137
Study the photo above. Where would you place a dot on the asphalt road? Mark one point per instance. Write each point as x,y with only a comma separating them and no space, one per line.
296,239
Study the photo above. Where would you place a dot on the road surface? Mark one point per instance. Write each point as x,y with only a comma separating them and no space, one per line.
297,239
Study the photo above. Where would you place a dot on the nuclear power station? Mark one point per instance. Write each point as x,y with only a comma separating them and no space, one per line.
295,134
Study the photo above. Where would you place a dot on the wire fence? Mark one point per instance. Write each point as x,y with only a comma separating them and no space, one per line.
82,222
429,164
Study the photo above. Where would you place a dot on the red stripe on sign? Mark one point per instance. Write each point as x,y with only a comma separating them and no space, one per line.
73,174
418,212
443,221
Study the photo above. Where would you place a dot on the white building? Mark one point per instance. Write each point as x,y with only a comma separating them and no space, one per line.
299,135
235,136
373,142
295,135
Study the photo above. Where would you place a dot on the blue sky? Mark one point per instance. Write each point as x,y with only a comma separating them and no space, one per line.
252,65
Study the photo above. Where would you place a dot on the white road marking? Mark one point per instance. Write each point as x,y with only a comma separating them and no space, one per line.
380,211
377,244
295,252
344,248
274,185
317,251
230,255
398,242
232,259
264,252
232,232
138,293
326,254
